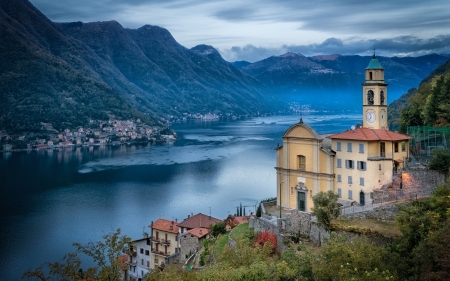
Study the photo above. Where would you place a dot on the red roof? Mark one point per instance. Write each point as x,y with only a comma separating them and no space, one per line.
123,262
370,135
165,225
198,220
199,232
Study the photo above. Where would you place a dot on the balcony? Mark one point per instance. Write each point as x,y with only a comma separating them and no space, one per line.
161,253
379,156
154,239
165,242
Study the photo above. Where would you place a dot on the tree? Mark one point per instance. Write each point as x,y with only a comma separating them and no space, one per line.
258,211
325,208
432,258
440,161
104,254
218,228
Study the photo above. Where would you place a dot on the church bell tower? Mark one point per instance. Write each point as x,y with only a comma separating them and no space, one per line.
375,97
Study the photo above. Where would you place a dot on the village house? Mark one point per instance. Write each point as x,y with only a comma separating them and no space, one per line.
353,164
164,242
192,241
139,258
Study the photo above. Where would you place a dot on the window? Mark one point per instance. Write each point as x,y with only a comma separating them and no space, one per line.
361,148
148,241
370,97
349,164
147,252
381,97
339,163
395,146
349,147
371,195
141,250
350,195
339,178
338,146
148,263
339,193
301,162
142,261
403,146
362,165
350,179
379,167
361,181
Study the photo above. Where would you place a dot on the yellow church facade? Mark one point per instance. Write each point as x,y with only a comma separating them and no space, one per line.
352,164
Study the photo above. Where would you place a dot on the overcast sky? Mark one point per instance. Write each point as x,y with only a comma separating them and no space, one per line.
255,29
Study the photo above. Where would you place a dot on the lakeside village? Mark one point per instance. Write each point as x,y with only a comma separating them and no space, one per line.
112,132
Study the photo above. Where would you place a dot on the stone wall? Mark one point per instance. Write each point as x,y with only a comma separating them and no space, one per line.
382,213
189,244
304,225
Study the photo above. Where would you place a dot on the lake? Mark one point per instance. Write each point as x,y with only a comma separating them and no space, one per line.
50,199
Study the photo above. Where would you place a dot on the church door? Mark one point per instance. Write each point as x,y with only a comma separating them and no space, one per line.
301,201
362,199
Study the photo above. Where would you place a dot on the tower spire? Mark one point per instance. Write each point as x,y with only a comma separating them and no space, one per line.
374,56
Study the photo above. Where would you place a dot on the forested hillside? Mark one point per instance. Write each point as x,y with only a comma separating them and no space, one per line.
430,104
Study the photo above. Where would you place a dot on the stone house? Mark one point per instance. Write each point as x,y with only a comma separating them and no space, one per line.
192,241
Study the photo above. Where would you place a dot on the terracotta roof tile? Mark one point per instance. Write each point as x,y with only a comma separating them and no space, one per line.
199,232
370,135
165,225
123,262
198,220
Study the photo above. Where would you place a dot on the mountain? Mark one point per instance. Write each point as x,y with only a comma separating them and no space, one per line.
44,79
337,78
69,73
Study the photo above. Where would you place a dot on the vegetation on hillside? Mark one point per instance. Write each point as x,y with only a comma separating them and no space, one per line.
430,104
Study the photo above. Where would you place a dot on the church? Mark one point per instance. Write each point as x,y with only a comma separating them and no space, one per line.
352,164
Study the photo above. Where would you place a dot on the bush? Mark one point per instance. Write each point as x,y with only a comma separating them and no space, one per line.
263,237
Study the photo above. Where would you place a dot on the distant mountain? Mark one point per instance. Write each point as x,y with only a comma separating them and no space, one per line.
69,73
337,78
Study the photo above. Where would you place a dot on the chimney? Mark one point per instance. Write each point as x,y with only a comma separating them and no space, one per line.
192,214
171,227
189,216
151,225
200,232
172,222
176,220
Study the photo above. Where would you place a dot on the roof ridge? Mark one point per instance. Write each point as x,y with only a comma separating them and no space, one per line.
373,130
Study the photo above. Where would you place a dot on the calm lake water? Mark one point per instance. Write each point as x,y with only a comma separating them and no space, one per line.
50,199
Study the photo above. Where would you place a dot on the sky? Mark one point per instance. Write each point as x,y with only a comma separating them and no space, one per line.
252,30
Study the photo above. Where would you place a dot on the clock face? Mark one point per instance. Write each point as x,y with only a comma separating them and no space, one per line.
370,116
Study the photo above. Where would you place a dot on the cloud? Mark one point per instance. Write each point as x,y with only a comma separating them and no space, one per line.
397,46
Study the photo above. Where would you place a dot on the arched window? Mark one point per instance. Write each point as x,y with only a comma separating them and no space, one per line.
370,75
382,97
370,97
301,162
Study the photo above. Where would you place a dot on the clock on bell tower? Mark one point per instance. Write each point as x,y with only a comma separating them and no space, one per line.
375,96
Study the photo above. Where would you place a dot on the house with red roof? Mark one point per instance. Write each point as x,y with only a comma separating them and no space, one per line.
353,164
164,242
191,241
